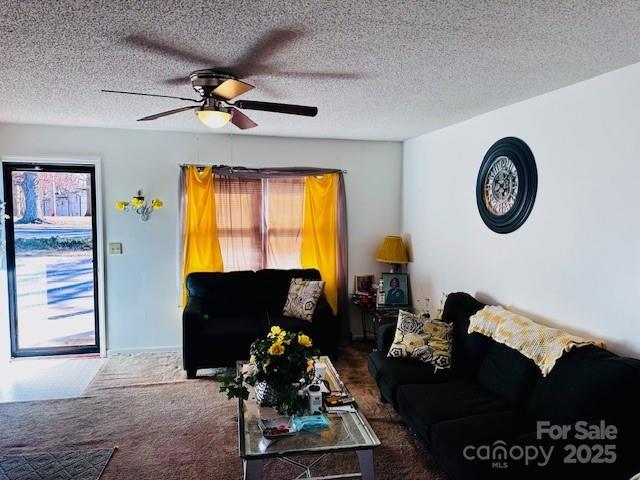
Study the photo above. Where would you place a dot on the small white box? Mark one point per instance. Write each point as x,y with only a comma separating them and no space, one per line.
320,370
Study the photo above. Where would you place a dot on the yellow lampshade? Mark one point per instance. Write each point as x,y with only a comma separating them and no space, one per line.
392,251
213,118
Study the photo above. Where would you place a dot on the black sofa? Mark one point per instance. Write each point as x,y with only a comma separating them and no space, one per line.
226,312
494,396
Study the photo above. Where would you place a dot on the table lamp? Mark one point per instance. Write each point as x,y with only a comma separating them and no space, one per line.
392,251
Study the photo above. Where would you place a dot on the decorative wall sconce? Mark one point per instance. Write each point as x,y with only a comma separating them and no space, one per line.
140,206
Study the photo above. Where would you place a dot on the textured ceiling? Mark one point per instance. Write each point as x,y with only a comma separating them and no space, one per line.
408,67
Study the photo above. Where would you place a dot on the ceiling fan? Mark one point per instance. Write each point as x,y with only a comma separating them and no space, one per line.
217,87
215,107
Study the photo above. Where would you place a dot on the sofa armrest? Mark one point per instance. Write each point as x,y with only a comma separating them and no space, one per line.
194,308
323,311
193,315
325,328
385,337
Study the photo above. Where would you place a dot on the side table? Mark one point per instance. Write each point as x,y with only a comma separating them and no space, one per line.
378,316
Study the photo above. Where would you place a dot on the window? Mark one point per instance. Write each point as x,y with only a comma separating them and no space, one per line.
259,222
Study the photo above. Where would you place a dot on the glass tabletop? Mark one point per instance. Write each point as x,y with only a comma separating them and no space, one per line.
348,430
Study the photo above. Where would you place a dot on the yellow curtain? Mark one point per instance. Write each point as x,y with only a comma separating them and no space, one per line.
320,232
201,244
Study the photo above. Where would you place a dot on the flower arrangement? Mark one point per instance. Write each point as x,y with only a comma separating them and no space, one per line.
283,361
140,205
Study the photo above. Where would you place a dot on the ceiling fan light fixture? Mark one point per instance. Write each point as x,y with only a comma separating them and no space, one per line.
213,118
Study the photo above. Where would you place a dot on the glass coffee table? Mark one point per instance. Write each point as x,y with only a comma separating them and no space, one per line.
349,431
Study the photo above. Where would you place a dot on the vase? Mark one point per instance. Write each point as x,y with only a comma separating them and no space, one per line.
266,396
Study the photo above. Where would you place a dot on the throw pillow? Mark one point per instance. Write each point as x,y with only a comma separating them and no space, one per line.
424,339
302,298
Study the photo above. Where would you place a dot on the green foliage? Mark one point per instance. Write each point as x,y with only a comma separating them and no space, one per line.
284,360
234,386
25,245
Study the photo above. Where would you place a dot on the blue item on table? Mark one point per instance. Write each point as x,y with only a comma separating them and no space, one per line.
311,422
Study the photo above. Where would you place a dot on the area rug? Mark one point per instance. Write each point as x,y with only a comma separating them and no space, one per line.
70,465
171,428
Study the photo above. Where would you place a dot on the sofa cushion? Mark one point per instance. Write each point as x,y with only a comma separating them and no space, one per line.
226,293
302,298
423,339
450,438
506,372
468,348
422,406
225,326
273,286
227,337
390,373
291,324
587,383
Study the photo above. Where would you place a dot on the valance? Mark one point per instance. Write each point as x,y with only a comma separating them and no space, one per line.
272,172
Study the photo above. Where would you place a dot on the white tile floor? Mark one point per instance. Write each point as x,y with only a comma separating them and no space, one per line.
46,378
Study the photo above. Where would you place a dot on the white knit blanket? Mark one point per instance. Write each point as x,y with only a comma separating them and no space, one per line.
544,345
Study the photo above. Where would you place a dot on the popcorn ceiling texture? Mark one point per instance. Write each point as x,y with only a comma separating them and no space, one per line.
421,65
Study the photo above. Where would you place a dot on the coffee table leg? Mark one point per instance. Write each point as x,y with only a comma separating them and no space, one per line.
365,458
253,469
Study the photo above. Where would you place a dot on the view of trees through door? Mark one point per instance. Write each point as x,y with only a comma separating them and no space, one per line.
51,258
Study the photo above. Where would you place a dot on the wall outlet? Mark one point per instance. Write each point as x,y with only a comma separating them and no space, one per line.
115,249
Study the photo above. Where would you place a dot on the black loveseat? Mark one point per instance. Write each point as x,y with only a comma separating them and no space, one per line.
226,312
493,396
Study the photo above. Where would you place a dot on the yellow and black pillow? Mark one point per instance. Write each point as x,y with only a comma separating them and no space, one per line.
424,339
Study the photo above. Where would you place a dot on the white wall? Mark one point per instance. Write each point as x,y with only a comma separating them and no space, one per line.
576,261
141,292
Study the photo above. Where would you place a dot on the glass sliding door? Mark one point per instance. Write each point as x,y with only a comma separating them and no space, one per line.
51,258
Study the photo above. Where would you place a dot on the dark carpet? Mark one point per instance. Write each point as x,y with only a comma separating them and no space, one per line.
171,428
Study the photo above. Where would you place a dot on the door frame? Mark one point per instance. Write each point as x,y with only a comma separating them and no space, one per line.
80,161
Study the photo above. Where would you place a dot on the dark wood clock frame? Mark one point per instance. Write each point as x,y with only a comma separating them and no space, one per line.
522,157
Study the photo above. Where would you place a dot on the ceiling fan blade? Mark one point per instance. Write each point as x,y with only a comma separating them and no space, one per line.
277,107
318,75
168,112
231,88
264,49
168,49
241,121
177,81
152,95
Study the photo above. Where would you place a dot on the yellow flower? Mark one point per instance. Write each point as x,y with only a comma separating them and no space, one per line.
310,365
121,205
276,349
157,203
137,202
276,331
304,340
252,359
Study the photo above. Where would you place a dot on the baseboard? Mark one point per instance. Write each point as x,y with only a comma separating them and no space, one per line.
168,348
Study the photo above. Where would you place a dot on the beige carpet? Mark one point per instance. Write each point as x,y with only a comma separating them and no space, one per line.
171,428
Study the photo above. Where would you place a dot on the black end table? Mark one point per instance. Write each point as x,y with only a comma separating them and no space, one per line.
378,315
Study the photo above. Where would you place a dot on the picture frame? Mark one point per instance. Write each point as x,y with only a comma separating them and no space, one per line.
396,289
364,284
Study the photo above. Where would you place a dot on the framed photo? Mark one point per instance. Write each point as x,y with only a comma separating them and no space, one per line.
364,284
396,289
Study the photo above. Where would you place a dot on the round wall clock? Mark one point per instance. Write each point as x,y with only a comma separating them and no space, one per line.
507,184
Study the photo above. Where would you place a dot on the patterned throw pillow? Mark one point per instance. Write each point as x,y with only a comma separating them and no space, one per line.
427,340
303,298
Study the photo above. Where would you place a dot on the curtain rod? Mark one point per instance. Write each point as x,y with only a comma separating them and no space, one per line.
202,165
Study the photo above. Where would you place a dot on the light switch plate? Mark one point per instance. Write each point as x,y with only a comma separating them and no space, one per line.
115,249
